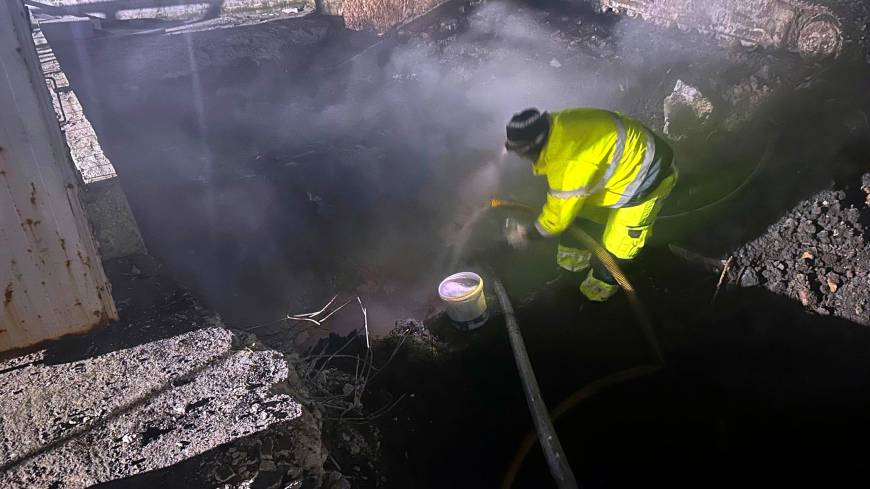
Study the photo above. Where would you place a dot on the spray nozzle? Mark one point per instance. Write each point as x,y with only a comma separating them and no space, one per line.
495,203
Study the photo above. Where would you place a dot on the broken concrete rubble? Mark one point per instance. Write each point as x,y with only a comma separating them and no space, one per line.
145,408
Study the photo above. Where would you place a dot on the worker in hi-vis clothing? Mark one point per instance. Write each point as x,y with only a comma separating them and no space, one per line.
600,166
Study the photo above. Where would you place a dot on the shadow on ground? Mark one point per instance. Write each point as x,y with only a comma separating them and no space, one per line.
757,391
151,306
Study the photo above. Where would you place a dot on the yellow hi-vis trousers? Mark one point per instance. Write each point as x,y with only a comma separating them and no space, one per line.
625,233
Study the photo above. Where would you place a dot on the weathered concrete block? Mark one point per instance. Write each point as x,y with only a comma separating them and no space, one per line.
134,411
114,225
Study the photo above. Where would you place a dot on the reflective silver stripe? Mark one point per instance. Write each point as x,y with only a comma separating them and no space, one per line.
541,230
617,153
567,194
649,155
611,168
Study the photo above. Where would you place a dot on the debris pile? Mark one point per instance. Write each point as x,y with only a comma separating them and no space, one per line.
817,253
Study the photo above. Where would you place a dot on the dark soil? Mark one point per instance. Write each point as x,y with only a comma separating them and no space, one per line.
758,390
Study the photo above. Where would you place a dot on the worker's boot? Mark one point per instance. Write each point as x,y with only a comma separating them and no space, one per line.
598,289
573,259
573,263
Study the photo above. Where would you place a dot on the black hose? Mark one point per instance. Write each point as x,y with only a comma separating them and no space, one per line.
553,451
589,390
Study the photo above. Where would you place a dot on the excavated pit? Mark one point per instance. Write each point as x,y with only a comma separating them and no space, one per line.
274,166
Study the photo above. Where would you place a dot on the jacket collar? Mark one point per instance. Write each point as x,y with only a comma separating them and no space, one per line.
539,167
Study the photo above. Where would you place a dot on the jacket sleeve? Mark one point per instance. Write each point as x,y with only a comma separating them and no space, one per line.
558,213
571,164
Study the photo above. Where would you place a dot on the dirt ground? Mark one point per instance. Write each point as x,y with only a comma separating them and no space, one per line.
269,180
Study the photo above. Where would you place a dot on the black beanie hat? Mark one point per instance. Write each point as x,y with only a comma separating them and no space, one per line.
527,131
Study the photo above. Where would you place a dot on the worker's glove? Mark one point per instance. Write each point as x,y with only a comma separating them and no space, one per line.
519,232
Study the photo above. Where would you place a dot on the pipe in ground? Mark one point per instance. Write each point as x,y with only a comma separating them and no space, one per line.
553,451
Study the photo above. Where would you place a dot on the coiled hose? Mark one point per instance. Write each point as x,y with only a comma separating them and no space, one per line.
544,423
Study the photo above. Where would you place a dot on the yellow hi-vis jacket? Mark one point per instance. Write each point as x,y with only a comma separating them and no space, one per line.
596,158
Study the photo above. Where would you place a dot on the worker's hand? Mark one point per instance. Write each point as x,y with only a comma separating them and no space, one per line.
516,233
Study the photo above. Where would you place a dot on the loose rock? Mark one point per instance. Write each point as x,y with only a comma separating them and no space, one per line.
686,110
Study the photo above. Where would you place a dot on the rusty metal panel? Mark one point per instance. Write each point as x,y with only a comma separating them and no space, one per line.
51,278
810,29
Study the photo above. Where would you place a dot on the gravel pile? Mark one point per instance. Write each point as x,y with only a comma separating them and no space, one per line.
817,253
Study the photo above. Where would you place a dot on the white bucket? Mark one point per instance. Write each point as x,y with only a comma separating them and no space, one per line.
466,303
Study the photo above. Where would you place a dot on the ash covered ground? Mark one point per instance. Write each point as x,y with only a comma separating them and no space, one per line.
274,166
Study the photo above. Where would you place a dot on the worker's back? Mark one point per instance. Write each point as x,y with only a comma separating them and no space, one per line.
597,153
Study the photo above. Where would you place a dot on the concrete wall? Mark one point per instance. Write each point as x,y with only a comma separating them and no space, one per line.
51,275
176,9
114,226
105,202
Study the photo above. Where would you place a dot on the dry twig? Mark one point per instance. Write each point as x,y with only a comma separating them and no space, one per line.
311,317
314,314
364,369
725,268
365,322
377,414
333,355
